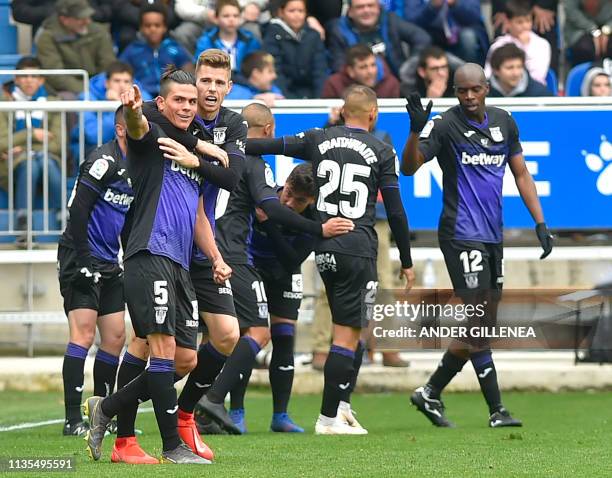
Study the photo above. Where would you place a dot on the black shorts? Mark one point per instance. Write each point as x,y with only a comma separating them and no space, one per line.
249,296
161,298
212,297
350,285
284,294
106,296
476,270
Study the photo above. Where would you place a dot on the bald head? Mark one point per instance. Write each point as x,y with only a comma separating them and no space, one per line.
470,73
260,120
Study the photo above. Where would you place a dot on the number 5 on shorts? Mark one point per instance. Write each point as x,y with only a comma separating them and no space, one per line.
160,290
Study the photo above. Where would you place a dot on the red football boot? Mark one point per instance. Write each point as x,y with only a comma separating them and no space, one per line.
188,432
127,450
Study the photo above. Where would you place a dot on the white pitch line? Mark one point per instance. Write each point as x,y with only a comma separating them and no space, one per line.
24,426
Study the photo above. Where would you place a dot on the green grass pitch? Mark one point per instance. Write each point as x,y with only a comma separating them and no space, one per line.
565,435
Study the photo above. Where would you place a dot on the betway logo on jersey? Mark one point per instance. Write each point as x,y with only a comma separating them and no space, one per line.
190,173
120,199
349,143
483,159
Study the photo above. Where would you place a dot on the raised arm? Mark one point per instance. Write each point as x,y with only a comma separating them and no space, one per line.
137,124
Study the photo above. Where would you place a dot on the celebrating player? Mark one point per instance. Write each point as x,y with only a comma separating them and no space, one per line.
91,281
219,135
278,254
233,228
350,165
473,144
160,296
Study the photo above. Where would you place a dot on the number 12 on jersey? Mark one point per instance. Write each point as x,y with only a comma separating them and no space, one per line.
343,179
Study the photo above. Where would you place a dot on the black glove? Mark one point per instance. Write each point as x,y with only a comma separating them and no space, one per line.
545,238
85,276
418,115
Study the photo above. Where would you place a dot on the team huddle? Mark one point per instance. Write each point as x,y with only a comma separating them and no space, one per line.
212,245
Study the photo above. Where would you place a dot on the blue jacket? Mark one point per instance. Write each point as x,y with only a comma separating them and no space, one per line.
149,64
246,91
246,43
466,13
97,92
300,60
392,31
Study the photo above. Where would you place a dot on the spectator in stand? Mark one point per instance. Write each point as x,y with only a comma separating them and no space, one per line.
257,80
228,36
454,25
106,86
34,12
597,82
325,11
196,16
385,33
126,19
588,26
432,74
537,50
363,68
510,77
153,50
298,51
69,39
544,23
30,88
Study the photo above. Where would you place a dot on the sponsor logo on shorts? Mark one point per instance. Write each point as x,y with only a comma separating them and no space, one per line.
262,310
471,280
160,313
297,284
225,291
191,323
326,261
292,295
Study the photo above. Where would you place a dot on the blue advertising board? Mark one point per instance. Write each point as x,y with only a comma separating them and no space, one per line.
568,152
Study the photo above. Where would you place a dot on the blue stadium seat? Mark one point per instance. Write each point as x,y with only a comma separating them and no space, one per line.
8,62
575,77
38,220
9,32
3,199
551,82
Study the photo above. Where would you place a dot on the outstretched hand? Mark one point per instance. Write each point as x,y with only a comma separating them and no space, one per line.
132,98
418,115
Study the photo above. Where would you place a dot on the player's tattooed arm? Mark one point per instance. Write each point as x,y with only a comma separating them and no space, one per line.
137,124
205,240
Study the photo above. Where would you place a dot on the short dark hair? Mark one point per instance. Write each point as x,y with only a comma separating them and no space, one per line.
257,60
119,115
301,180
283,3
172,74
27,62
226,3
430,52
517,8
357,53
504,53
154,7
119,67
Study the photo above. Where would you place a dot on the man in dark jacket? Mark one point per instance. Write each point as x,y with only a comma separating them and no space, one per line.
365,22
510,78
69,39
362,68
34,12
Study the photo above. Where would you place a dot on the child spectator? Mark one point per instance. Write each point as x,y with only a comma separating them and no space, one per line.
106,86
228,36
30,88
537,49
597,82
362,68
510,78
258,83
152,50
298,51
